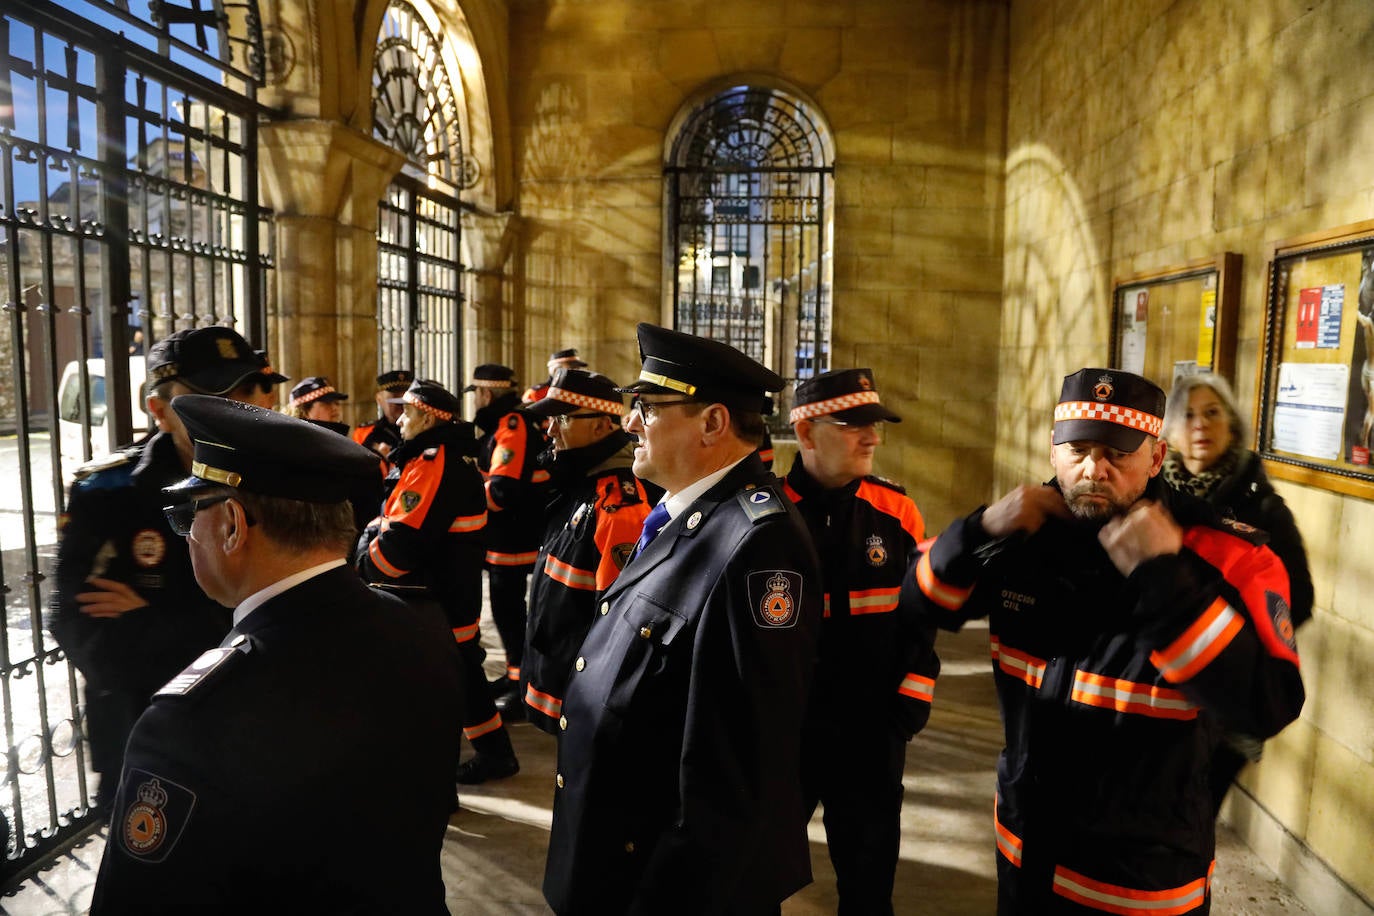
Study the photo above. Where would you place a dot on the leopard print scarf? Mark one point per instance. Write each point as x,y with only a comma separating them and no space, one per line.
1177,475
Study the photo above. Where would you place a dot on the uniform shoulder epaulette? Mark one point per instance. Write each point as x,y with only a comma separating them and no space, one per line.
125,458
760,502
210,668
884,482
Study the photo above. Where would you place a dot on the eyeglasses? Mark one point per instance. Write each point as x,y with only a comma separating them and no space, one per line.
648,413
565,420
181,516
877,425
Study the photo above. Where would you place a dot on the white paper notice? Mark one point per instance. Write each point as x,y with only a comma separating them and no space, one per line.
1309,414
1135,311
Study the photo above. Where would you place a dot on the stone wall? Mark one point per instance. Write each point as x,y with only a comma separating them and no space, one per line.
1146,134
914,94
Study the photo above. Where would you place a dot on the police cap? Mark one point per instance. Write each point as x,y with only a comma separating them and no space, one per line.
1118,409
212,360
395,380
578,389
433,398
848,395
314,388
492,375
260,451
704,369
566,359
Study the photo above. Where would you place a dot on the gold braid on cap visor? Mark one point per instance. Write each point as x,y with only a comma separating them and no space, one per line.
1129,417
663,381
444,415
215,475
312,396
584,400
832,405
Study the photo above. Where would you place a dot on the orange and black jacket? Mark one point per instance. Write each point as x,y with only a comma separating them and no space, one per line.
594,520
429,535
381,435
1114,692
877,659
517,486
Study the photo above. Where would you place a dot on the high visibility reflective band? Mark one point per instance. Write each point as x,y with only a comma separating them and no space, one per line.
487,727
918,687
1008,843
1128,696
1202,642
873,601
464,634
374,551
496,558
1109,413
548,704
1020,665
826,611
568,575
1129,901
464,523
539,477
948,597
512,673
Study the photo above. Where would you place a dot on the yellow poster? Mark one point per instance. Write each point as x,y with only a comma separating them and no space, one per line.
1207,326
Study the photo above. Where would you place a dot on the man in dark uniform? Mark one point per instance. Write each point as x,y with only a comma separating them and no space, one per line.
594,519
428,547
1127,637
126,609
517,489
297,721
678,772
877,669
382,434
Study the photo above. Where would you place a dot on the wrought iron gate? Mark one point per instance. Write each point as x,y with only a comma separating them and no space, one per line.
128,209
750,204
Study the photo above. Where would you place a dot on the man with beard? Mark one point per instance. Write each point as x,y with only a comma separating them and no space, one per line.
595,517
427,547
1127,636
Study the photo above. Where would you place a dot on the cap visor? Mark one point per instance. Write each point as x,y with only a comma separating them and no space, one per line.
1113,435
550,407
866,413
642,387
189,488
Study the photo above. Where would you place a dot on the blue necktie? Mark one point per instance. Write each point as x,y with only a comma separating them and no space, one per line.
653,524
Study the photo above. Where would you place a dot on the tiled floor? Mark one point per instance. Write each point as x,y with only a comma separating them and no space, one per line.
494,853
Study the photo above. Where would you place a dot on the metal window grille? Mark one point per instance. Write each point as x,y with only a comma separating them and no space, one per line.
128,208
750,204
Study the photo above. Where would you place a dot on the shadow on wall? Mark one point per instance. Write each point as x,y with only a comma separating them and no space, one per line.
1054,314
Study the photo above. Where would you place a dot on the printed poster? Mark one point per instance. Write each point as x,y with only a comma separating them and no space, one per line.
1135,311
1309,413
1207,324
1309,311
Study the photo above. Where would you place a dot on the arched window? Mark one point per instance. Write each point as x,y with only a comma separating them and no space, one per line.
751,215
417,109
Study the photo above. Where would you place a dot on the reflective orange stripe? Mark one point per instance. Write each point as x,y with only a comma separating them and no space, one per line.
485,728
1182,659
918,687
1129,901
895,504
571,576
540,477
1008,843
946,596
463,634
374,550
422,478
469,523
826,611
1021,665
873,601
1128,696
512,674
548,704
496,558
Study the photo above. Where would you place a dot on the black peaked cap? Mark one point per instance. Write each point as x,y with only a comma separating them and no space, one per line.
701,368
848,395
1116,408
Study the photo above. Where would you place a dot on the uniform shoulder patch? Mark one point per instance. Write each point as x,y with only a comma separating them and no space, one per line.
760,503
1248,533
209,667
513,421
153,813
1282,617
775,595
620,554
884,482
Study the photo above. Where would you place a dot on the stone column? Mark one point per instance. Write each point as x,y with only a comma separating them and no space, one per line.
324,180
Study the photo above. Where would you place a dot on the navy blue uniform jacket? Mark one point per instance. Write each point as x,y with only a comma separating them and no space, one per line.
678,769
309,770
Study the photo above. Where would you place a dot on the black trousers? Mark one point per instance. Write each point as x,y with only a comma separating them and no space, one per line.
506,586
855,773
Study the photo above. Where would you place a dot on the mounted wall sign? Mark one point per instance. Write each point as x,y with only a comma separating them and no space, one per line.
1316,410
1178,320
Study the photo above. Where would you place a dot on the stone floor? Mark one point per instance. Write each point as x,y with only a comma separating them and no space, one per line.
494,852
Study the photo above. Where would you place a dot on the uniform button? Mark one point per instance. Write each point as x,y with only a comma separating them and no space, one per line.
645,632
563,722
559,780
605,608
581,663
630,847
